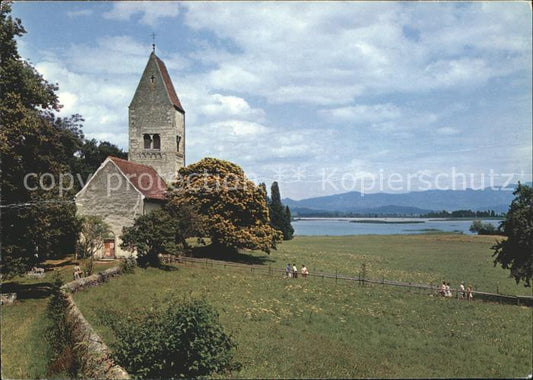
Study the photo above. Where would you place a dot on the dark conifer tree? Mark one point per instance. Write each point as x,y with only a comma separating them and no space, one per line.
279,218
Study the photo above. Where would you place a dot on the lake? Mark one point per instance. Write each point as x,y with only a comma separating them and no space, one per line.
380,226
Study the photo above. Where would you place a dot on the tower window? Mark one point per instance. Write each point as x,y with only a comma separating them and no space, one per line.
156,142
147,141
178,139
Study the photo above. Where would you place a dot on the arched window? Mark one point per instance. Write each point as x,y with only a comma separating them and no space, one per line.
157,142
147,142
178,139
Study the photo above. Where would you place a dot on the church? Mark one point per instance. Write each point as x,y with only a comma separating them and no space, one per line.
121,190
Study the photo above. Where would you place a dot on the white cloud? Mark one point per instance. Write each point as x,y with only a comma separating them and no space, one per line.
447,131
78,13
151,12
364,113
333,53
218,105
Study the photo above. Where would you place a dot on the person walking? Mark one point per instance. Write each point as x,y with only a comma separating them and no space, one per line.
288,270
469,292
448,290
462,290
294,271
305,272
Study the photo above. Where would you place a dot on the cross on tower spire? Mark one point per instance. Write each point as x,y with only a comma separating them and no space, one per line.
153,42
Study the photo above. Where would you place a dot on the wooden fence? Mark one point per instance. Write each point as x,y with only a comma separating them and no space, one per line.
359,280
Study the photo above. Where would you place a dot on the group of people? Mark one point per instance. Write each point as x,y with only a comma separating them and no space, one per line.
464,293
292,272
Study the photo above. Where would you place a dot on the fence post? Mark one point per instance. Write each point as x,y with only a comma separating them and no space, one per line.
336,274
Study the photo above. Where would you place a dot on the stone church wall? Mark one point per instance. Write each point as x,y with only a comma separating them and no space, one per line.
151,112
110,196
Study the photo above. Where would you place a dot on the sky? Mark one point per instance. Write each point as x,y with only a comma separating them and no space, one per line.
323,97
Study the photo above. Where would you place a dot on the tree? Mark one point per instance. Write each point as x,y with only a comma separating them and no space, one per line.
232,209
516,251
481,228
38,221
280,217
150,235
160,231
93,232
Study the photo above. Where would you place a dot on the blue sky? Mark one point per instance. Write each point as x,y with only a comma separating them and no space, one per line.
323,97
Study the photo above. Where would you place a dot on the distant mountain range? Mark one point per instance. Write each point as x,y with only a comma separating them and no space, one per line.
413,203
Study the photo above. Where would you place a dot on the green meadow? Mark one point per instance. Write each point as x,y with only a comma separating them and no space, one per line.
318,327
25,352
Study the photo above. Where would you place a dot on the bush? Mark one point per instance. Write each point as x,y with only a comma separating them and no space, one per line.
58,333
128,264
484,228
183,339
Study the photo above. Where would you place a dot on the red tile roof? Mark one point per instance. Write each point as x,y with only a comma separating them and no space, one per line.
143,177
168,84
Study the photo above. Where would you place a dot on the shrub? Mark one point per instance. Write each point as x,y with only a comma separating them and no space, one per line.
58,333
128,264
483,228
88,268
182,339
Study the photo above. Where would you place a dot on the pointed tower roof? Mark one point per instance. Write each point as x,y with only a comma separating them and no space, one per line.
168,83
157,66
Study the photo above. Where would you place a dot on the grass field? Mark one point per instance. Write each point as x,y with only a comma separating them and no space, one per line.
319,328
25,352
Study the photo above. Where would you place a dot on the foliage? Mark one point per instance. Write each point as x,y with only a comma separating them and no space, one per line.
93,232
128,264
160,231
90,156
280,217
483,228
58,334
460,214
88,267
516,252
233,210
36,224
180,340
39,154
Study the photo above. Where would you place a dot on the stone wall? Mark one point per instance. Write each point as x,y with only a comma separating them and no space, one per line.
117,205
95,357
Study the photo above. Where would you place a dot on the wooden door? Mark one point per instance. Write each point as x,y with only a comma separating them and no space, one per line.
109,249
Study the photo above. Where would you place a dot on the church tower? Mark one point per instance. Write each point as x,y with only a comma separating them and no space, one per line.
157,122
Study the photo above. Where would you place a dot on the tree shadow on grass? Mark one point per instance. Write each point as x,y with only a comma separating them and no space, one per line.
218,253
167,267
28,291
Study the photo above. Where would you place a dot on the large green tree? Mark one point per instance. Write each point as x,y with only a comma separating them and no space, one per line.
233,209
38,220
160,231
516,251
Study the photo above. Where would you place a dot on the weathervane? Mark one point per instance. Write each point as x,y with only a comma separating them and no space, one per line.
153,42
